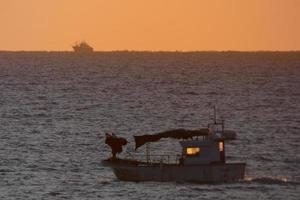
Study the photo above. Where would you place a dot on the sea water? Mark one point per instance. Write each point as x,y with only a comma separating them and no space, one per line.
55,108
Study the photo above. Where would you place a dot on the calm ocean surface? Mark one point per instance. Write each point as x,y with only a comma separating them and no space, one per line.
56,107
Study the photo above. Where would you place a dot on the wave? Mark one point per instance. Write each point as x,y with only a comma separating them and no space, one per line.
270,180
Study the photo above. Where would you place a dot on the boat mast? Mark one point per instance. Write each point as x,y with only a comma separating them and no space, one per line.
215,115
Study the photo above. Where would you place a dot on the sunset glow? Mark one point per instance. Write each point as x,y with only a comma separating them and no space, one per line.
184,25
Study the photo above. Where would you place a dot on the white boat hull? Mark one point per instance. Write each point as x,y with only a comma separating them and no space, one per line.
206,173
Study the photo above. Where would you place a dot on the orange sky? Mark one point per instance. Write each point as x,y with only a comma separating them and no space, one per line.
150,24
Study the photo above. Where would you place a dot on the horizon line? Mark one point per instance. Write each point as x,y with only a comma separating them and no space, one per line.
150,51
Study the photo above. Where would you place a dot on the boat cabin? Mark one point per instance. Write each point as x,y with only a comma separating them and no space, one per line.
205,151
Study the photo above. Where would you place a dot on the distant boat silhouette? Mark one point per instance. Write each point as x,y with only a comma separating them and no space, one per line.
82,47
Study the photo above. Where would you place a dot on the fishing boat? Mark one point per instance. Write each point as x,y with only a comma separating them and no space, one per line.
202,159
82,47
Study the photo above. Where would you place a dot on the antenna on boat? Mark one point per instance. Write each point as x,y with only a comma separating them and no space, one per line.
215,114
223,125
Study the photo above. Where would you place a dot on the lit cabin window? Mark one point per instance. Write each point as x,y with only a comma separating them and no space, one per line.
192,151
221,146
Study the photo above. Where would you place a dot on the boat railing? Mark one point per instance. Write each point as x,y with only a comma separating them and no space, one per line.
157,158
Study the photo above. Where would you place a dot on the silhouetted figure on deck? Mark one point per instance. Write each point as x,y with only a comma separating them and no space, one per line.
115,143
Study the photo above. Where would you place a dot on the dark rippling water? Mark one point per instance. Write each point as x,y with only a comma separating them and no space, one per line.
56,107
